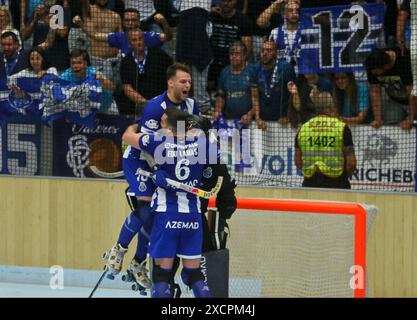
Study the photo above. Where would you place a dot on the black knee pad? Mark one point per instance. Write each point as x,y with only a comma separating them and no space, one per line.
140,205
175,265
159,275
195,275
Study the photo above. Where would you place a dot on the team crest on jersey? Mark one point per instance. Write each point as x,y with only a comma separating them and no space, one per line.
152,124
145,140
208,172
142,187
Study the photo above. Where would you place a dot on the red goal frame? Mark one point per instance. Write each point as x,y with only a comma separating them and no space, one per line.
330,207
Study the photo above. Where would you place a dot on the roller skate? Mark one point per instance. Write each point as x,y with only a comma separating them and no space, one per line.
138,274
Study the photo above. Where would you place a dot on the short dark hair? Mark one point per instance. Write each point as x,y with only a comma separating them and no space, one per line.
176,116
173,68
42,53
268,40
133,10
133,30
10,34
80,53
377,59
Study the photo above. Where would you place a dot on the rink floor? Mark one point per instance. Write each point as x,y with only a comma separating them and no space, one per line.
29,282
24,290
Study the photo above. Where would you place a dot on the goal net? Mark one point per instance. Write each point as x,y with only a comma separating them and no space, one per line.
299,248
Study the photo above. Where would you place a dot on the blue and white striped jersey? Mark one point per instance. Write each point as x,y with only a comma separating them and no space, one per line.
150,121
184,161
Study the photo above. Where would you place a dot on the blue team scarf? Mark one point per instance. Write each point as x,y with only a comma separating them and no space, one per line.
287,50
140,64
76,101
9,67
269,84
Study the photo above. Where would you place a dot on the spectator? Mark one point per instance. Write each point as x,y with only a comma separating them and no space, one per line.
390,69
27,10
271,15
324,147
53,41
103,57
146,9
77,39
271,98
142,72
148,22
301,108
233,99
130,21
6,23
37,68
288,36
403,26
193,46
80,69
228,25
15,60
351,98
255,9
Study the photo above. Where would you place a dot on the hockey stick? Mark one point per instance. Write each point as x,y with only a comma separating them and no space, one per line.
103,174
185,187
99,281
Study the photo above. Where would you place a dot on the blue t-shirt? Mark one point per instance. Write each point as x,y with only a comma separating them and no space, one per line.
153,110
119,40
106,96
184,161
236,89
274,95
362,103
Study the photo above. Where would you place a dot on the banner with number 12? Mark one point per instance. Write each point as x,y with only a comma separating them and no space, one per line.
339,38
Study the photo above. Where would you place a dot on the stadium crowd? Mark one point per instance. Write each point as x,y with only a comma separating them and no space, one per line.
243,54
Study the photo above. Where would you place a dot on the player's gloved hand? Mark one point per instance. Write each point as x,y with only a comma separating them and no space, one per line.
160,179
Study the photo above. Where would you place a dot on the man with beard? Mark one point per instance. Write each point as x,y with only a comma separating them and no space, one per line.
270,101
142,72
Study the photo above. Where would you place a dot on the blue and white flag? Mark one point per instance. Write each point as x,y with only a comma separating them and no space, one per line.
76,101
26,100
232,131
339,38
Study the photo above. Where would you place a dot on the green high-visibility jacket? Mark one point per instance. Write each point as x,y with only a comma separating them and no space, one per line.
321,143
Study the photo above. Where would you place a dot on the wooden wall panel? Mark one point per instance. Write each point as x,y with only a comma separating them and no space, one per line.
45,222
